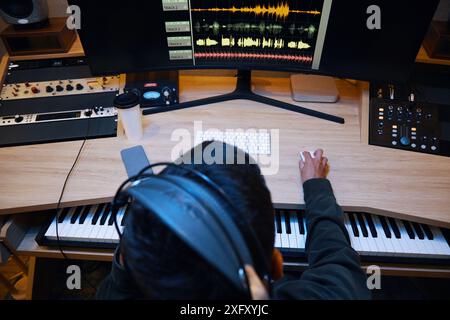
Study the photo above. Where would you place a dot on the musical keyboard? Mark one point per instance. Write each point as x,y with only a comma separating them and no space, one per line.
374,237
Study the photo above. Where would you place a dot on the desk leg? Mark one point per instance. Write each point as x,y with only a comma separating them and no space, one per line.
30,276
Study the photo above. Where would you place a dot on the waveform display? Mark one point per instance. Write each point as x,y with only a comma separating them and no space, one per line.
310,30
206,42
250,42
279,11
256,56
216,28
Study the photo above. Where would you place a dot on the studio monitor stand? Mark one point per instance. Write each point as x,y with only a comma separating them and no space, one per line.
243,91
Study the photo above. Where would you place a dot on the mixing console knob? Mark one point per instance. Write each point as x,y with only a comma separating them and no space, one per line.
49,89
59,88
80,87
35,90
88,113
69,87
18,119
405,141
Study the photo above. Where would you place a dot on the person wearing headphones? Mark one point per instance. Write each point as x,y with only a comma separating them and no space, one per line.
154,263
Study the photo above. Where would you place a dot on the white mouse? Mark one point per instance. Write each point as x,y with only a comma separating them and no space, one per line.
303,157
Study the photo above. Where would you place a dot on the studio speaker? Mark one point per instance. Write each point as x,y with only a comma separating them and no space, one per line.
24,12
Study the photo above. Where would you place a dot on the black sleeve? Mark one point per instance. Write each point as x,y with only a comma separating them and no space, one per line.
118,285
334,267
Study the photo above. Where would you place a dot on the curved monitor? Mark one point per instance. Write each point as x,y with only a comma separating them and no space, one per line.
361,39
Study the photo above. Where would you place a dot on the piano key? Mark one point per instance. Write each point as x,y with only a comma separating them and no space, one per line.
383,235
301,223
409,229
427,231
384,225
294,237
66,225
277,222
418,230
106,213
63,214
84,214
301,237
288,222
76,214
372,229
354,240
353,224
87,225
284,236
366,247
394,227
372,241
277,241
123,220
112,218
362,225
98,213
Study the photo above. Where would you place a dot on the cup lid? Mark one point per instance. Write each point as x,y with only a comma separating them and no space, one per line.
126,100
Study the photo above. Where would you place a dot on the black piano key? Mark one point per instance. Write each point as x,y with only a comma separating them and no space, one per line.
409,230
301,226
418,230
362,225
76,214
122,223
112,218
63,215
105,214
384,225
84,215
287,220
427,231
353,224
277,222
373,230
97,213
395,228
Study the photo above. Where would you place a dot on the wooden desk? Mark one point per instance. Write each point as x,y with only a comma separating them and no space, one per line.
368,178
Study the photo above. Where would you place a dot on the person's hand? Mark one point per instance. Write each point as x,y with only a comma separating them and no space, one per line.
313,168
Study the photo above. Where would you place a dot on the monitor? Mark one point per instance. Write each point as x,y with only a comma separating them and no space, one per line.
321,36
359,39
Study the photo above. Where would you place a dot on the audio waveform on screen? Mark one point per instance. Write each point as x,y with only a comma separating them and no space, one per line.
241,27
250,42
279,11
256,56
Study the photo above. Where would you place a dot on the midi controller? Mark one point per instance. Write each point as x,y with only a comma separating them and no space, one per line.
410,119
56,100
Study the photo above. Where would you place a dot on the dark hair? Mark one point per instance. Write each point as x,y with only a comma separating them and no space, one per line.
164,267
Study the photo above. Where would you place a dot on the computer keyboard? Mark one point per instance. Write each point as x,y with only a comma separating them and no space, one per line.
252,142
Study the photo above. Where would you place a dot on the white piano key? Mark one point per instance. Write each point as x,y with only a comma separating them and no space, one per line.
390,250
371,240
355,242
293,237
284,236
87,225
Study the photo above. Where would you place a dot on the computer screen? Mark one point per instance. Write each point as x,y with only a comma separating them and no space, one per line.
361,39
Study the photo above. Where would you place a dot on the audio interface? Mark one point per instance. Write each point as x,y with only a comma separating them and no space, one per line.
55,100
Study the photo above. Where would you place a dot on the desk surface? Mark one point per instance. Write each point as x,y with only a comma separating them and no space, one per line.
373,179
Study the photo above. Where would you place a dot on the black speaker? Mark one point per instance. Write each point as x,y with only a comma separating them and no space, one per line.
24,12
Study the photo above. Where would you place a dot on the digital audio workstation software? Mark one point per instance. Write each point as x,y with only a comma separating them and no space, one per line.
212,31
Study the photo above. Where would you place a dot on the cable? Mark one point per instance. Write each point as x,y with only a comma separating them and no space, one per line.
58,207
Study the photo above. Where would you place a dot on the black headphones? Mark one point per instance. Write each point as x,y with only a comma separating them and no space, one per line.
206,227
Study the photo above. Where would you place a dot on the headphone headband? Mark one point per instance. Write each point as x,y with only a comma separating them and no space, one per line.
198,218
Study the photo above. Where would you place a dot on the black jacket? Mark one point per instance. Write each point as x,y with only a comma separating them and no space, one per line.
334,268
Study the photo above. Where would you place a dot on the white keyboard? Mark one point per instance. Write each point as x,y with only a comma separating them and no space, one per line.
370,235
252,142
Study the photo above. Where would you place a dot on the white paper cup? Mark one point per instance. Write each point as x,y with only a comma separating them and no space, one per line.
130,115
